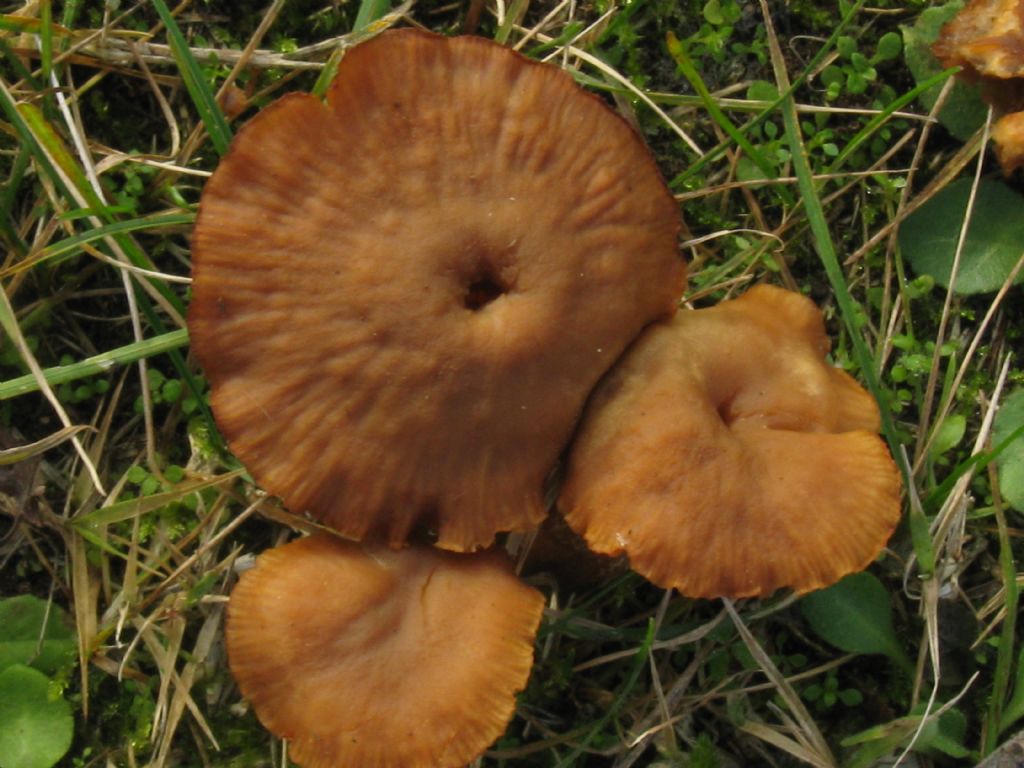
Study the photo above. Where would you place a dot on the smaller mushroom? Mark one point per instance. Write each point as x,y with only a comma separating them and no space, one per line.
986,38
725,457
374,658
1008,138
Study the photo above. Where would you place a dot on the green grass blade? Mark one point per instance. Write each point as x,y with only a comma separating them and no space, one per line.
50,151
52,145
17,67
19,116
22,452
639,664
938,497
1014,709
97,364
327,74
8,194
718,150
202,96
71,246
71,11
369,12
126,510
677,50
99,541
849,312
46,38
876,122
1007,634
513,14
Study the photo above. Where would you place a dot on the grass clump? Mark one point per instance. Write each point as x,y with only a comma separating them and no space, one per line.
802,152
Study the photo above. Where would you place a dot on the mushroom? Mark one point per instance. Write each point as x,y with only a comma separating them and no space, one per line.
986,38
1008,138
403,297
372,658
725,457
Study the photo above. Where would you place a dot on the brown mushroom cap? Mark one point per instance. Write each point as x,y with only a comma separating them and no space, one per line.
403,297
726,458
986,38
374,658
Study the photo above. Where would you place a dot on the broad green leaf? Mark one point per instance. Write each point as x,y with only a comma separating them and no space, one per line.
713,12
1011,461
878,741
762,90
1014,709
994,243
35,729
24,640
890,45
964,112
855,616
949,434
944,734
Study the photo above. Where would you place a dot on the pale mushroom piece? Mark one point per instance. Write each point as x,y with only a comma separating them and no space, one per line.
1008,138
403,297
374,658
725,457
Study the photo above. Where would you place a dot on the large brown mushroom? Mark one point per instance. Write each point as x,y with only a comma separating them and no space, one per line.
402,297
725,457
373,658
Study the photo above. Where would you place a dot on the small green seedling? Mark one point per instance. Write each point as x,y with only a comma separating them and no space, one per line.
854,73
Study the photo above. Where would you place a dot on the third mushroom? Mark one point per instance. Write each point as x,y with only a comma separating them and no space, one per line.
725,457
